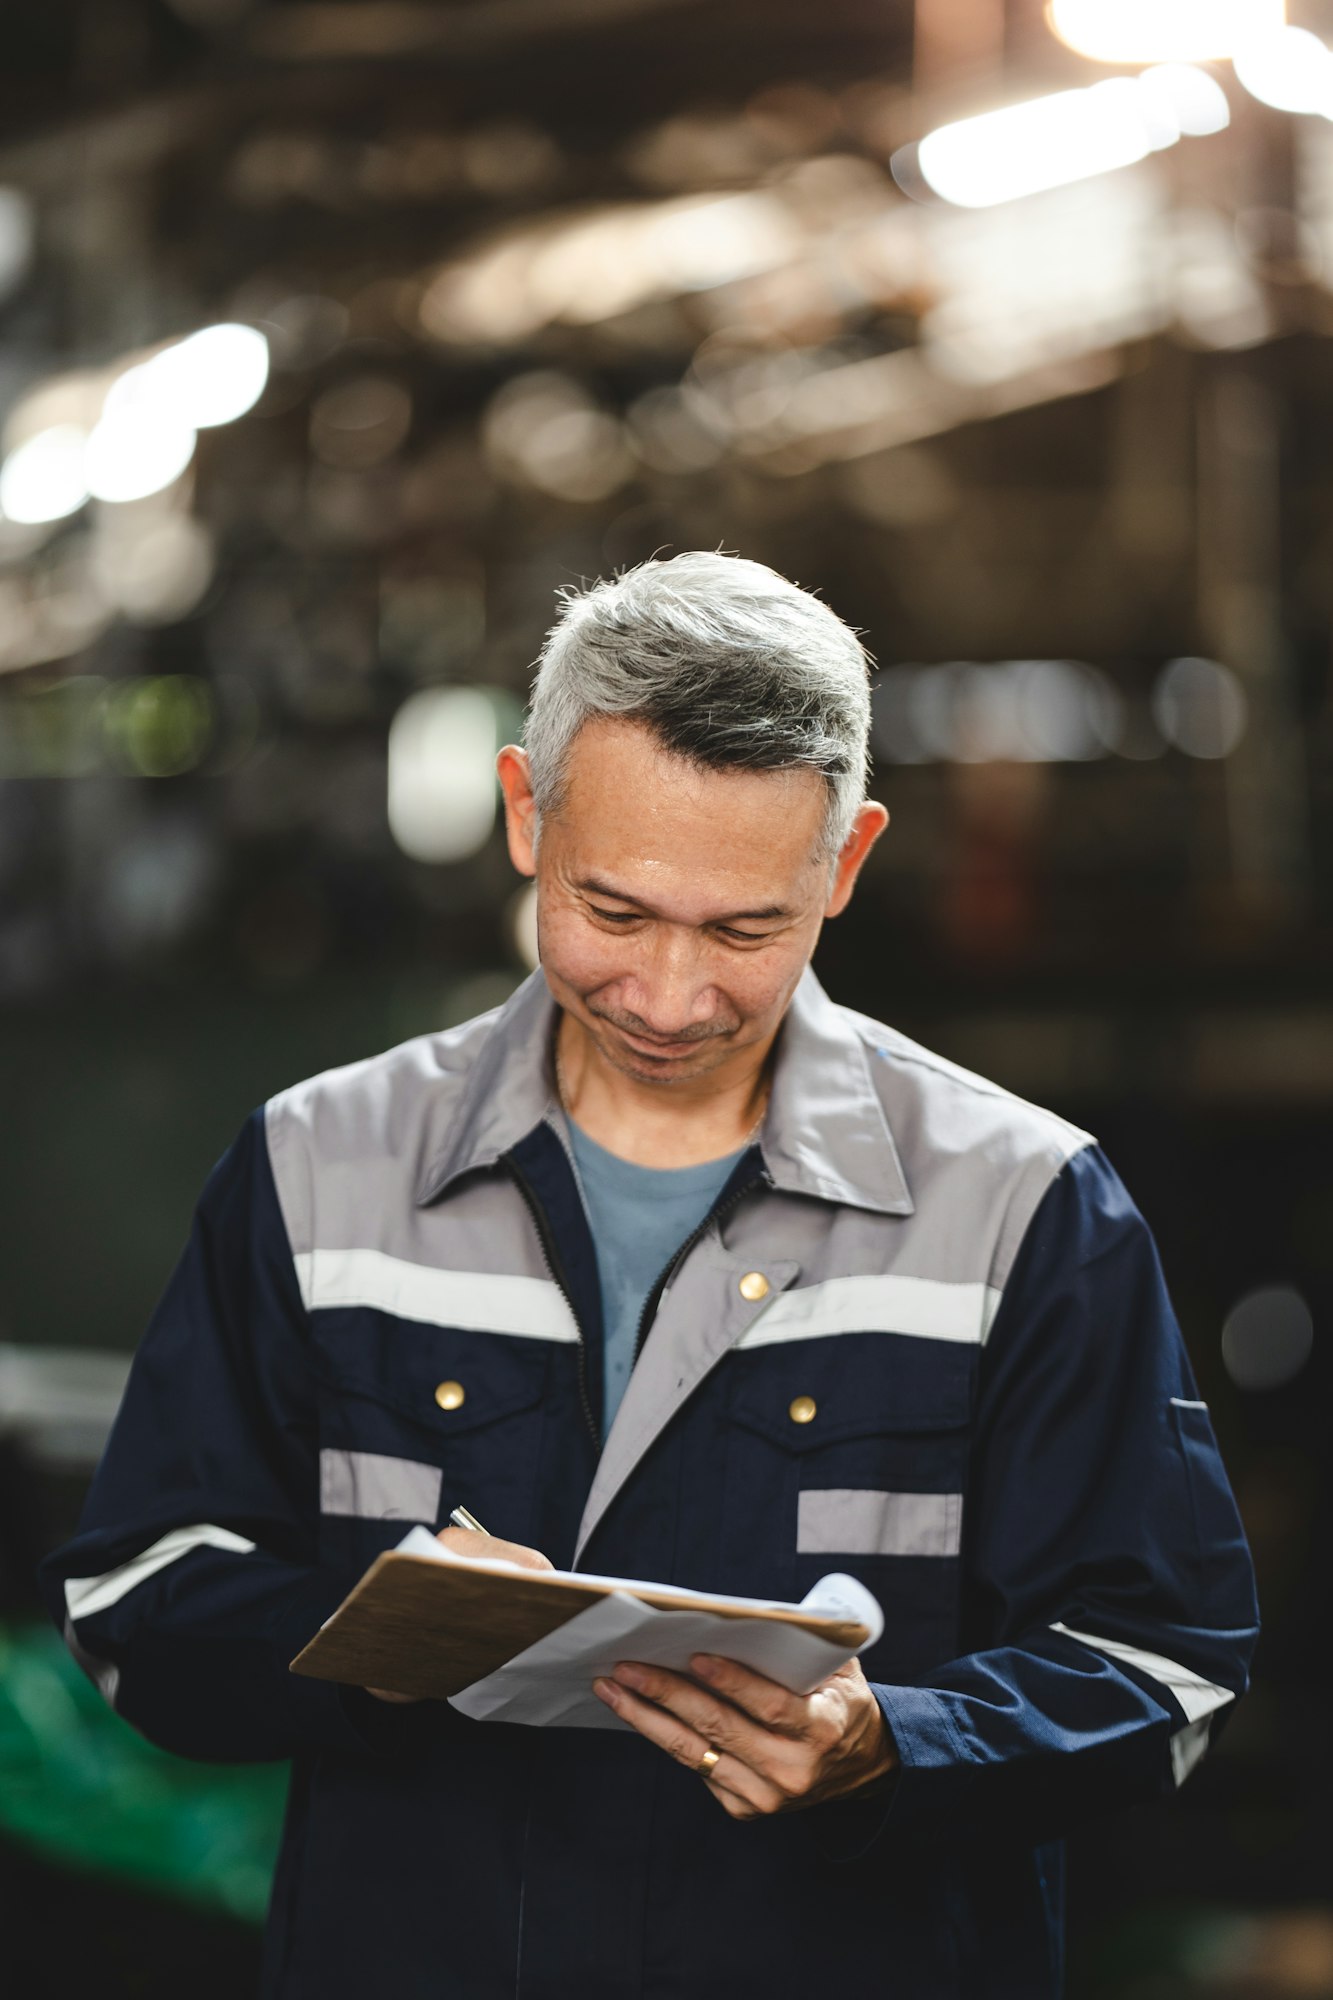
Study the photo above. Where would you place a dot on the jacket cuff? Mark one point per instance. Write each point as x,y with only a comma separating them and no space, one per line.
340,1716
927,1744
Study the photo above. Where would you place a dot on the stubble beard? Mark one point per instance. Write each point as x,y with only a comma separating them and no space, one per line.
641,1068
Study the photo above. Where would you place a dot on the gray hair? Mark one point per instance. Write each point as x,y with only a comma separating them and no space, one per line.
731,666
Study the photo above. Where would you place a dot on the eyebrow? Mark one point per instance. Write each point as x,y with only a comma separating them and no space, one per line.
593,887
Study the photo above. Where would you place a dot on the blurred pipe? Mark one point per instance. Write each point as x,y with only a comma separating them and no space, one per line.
1240,612
1147,31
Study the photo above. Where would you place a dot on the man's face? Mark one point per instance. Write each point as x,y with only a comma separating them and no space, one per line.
676,907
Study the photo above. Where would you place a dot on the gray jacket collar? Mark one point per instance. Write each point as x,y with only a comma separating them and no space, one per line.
825,1133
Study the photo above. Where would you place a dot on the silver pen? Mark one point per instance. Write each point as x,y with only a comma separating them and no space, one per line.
460,1518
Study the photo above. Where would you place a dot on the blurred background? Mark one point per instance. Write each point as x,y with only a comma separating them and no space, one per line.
334,338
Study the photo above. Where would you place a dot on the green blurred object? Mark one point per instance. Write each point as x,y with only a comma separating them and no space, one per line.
80,1787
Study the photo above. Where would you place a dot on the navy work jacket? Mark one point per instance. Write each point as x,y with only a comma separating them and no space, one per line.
1007,1447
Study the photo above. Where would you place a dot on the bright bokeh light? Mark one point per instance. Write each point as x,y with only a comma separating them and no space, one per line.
160,726
1186,102
17,236
1200,706
544,430
1019,711
442,788
46,478
523,925
1068,712
594,265
209,378
1144,31
154,574
1291,69
1267,1337
133,453
75,398
1070,136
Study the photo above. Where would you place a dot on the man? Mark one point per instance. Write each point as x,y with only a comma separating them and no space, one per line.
671,1268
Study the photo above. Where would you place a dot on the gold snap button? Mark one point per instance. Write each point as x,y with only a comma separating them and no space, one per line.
754,1286
801,1409
449,1395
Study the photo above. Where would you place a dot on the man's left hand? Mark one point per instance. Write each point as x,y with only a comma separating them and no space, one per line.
779,1751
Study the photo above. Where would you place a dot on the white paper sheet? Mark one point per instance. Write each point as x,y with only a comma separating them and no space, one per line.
551,1683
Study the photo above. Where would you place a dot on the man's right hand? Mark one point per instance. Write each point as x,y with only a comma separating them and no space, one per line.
481,1548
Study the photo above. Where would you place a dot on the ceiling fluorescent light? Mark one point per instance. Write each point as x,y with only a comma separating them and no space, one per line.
1291,70
1146,31
1070,136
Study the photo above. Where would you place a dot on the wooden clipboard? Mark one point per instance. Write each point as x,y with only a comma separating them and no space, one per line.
420,1627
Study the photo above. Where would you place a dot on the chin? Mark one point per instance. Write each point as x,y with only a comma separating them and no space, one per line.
664,1070
644,1070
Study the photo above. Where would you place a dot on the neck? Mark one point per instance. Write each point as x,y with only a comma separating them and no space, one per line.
659,1124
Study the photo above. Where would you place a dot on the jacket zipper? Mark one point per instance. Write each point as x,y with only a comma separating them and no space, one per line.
553,1264
664,1277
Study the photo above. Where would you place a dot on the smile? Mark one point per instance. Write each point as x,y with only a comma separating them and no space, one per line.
664,1051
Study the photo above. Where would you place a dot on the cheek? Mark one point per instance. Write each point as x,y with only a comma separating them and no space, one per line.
757,986
580,956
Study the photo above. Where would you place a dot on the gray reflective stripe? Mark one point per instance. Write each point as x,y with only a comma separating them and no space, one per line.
1188,1403
478,1300
378,1488
86,1594
1197,1696
1188,1746
856,1521
930,1308
104,1676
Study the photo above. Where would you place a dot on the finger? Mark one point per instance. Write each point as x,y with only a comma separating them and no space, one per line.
730,1775
490,1548
715,1720
763,1700
786,1760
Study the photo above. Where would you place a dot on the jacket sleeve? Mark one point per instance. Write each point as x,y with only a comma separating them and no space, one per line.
193,1579
1109,1590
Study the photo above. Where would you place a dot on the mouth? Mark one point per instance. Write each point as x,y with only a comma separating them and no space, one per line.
645,1045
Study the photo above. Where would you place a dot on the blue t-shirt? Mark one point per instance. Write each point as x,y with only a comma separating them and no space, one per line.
639,1217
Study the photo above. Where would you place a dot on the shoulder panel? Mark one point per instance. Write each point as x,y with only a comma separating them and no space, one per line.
978,1158
361,1134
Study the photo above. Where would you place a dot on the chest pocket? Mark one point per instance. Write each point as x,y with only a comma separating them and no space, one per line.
850,1453
415,1420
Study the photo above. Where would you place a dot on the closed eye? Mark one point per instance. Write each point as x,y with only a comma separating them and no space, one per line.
636,917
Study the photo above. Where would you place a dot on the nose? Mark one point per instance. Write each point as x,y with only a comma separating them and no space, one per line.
671,989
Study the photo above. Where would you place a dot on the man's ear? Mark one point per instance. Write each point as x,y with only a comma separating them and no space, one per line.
511,768
867,827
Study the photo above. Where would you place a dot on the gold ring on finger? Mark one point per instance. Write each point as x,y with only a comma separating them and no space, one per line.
706,1763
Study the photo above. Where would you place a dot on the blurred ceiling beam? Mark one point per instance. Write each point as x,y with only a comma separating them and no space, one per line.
389,30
